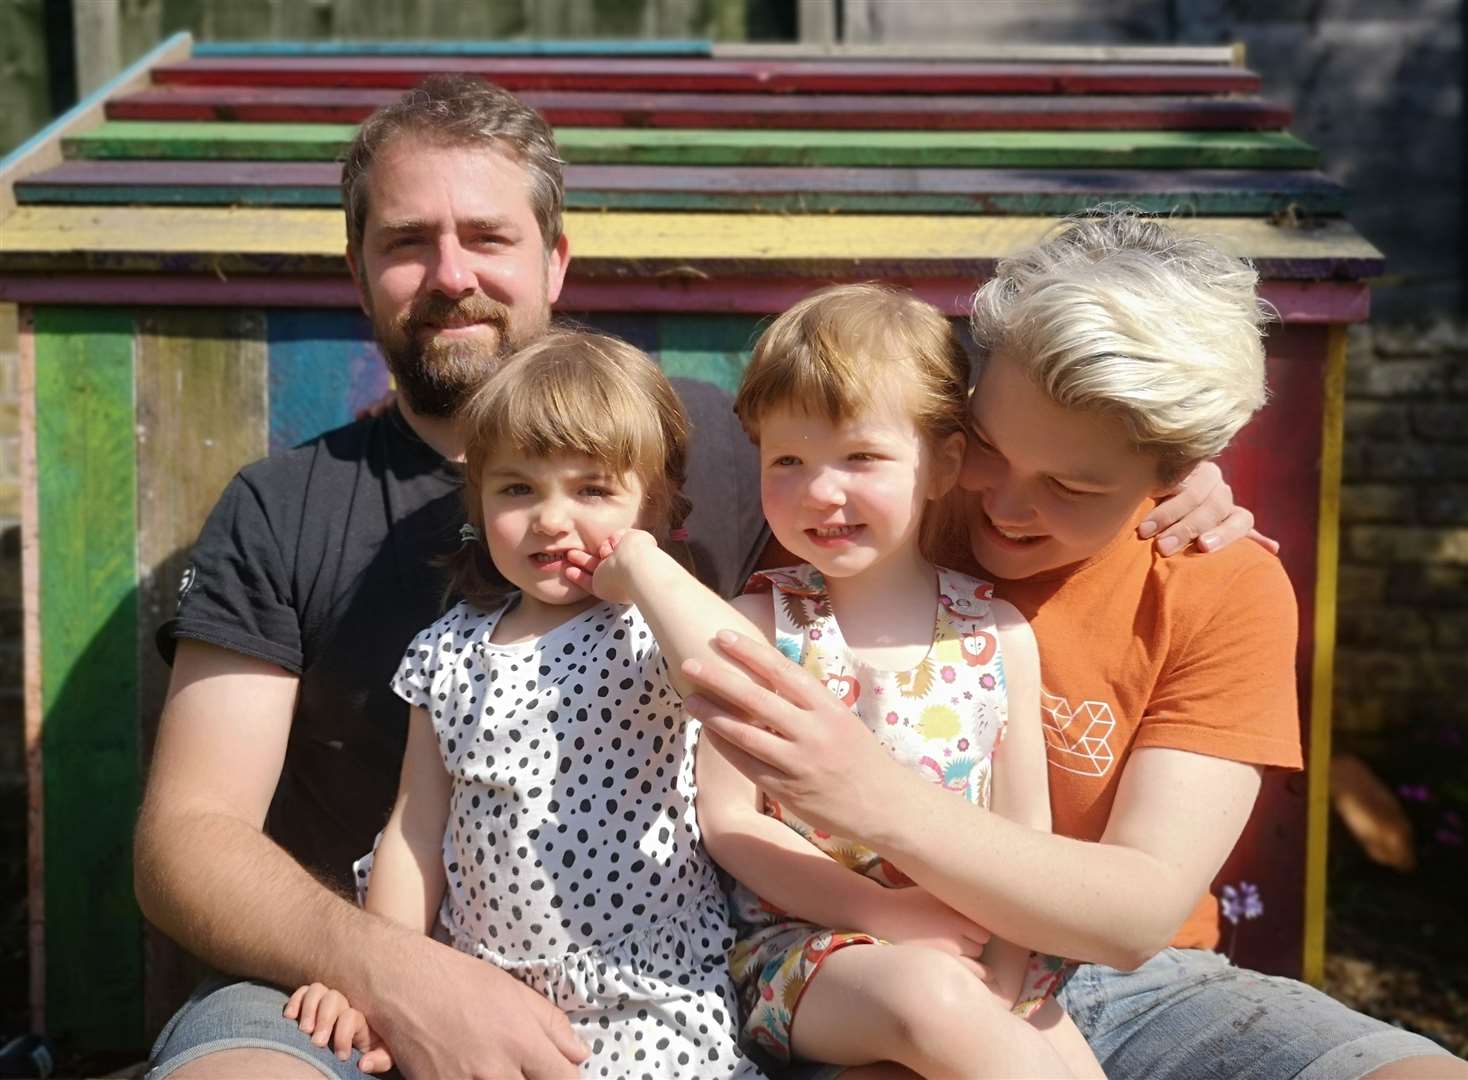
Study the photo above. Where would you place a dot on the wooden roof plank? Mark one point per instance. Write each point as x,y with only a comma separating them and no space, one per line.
773,190
571,108
748,76
617,245
989,149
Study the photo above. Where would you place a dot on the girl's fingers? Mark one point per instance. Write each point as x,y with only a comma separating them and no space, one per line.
345,1034
376,1060
327,1013
309,1005
293,1006
584,559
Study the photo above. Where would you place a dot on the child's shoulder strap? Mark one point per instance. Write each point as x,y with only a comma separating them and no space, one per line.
800,599
968,620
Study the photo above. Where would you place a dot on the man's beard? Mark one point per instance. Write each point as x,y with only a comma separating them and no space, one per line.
436,375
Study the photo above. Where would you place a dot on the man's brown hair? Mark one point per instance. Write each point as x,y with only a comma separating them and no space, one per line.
455,111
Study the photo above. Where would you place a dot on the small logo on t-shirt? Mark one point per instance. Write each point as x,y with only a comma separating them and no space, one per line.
1078,740
186,582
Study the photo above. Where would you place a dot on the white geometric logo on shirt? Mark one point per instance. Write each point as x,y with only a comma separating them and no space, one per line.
1078,740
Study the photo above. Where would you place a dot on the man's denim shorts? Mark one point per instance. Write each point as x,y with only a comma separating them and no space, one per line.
1188,1014
224,1014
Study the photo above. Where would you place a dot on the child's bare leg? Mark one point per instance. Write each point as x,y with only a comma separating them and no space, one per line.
918,1007
1060,1031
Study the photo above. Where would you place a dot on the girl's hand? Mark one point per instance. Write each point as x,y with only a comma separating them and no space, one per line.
913,916
327,1016
607,572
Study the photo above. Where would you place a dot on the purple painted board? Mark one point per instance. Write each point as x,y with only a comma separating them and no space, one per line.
328,105
723,76
975,182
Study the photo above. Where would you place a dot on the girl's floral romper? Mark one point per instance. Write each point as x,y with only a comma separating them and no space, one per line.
943,718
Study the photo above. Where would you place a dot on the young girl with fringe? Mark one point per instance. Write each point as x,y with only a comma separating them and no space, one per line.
544,819
856,400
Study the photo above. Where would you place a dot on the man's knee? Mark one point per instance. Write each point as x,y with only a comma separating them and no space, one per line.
251,1063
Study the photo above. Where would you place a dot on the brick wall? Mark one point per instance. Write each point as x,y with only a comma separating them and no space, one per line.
1402,659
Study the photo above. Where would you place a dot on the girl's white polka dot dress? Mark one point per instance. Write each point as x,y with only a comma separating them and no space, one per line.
572,851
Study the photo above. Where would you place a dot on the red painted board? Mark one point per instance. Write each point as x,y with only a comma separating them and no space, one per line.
1298,302
1274,468
724,76
572,108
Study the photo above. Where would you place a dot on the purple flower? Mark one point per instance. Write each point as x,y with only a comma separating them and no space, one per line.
1414,792
1241,902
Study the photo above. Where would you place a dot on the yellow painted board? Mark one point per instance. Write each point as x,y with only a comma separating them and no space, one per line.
58,230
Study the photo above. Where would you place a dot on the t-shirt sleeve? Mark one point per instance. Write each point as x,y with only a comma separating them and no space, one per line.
236,590
1228,689
419,667
648,655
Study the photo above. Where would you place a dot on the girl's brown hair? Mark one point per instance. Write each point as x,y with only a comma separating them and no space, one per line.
840,350
573,392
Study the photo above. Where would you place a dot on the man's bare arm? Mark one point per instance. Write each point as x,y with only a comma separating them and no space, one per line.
208,876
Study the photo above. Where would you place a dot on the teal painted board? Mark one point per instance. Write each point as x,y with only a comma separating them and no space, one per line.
710,348
324,366
86,491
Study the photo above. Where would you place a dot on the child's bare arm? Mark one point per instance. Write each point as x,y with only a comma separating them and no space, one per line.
684,613
407,881
1021,789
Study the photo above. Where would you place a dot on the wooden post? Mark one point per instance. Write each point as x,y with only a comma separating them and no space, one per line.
97,29
815,21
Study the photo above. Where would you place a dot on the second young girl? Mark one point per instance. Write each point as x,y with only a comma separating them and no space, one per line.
856,399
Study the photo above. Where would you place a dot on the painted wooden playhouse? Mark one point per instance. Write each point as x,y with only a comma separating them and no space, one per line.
176,246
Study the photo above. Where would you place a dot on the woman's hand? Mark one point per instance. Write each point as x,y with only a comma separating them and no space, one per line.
1201,510
607,572
802,746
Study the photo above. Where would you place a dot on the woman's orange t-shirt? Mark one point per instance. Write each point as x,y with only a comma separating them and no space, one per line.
1195,652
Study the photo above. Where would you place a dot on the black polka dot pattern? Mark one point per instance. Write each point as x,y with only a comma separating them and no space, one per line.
572,852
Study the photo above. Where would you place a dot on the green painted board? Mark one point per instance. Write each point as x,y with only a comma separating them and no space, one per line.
87,509
183,140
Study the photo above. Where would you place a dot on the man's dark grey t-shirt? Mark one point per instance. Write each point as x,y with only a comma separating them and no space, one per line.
321,559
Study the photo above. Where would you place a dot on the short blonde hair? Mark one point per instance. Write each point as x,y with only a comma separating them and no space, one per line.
574,392
1122,315
836,351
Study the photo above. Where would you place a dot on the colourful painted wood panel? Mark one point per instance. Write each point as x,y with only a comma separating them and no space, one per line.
87,507
1237,192
200,416
616,246
182,140
331,105
727,76
323,368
